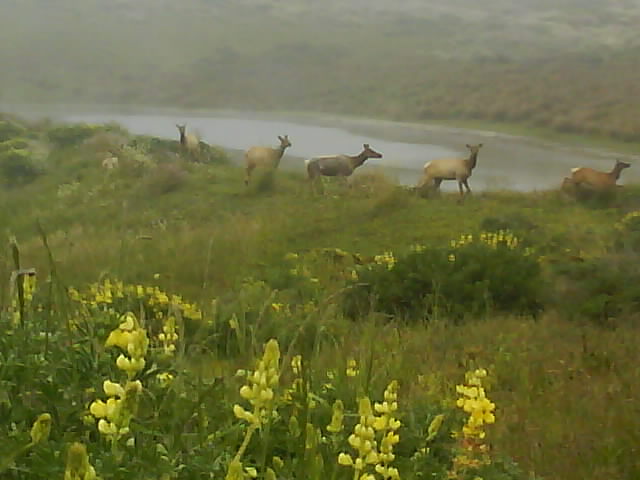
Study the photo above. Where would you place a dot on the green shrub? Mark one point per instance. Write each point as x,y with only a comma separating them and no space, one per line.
628,229
134,162
15,143
18,167
493,273
600,289
163,147
155,145
71,135
212,154
9,130
165,178
596,199
515,222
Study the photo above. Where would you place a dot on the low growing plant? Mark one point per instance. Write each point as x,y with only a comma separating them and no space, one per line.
473,276
602,289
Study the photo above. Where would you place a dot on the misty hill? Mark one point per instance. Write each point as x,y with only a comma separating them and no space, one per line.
568,64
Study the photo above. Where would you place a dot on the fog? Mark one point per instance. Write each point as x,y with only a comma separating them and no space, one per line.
331,55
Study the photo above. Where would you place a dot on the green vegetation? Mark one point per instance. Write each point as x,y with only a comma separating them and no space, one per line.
564,66
469,278
142,345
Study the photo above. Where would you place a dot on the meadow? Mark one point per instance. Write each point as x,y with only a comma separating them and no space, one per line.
162,320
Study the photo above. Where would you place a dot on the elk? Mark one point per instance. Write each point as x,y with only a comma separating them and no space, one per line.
189,141
110,162
338,165
265,157
567,186
459,169
594,179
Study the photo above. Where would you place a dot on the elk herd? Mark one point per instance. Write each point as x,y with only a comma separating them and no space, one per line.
434,171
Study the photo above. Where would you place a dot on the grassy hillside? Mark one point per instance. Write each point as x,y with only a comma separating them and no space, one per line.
365,279
564,65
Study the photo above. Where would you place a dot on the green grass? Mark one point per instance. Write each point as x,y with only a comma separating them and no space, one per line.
562,384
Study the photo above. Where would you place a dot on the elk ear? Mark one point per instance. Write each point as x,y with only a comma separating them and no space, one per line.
280,138
365,145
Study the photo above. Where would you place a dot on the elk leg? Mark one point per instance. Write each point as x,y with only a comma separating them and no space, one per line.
466,184
315,182
248,175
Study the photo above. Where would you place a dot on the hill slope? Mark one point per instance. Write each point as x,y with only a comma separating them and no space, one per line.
567,65
270,261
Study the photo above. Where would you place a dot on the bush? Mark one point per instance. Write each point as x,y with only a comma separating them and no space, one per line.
600,289
71,135
212,154
134,162
155,145
105,142
18,167
515,222
492,273
14,143
9,130
165,178
160,147
629,232
596,199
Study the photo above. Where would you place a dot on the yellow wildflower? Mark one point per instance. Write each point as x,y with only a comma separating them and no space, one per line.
337,418
78,466
296,364
480,410
352,368
164,379
259,392
41,428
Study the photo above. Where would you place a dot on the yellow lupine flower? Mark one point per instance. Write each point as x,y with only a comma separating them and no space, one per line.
41,428
112,389
352,368
78,466
480,409
107,428
296,364
337,417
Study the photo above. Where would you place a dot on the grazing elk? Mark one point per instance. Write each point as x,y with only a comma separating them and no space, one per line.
459,169
265,157
338,165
